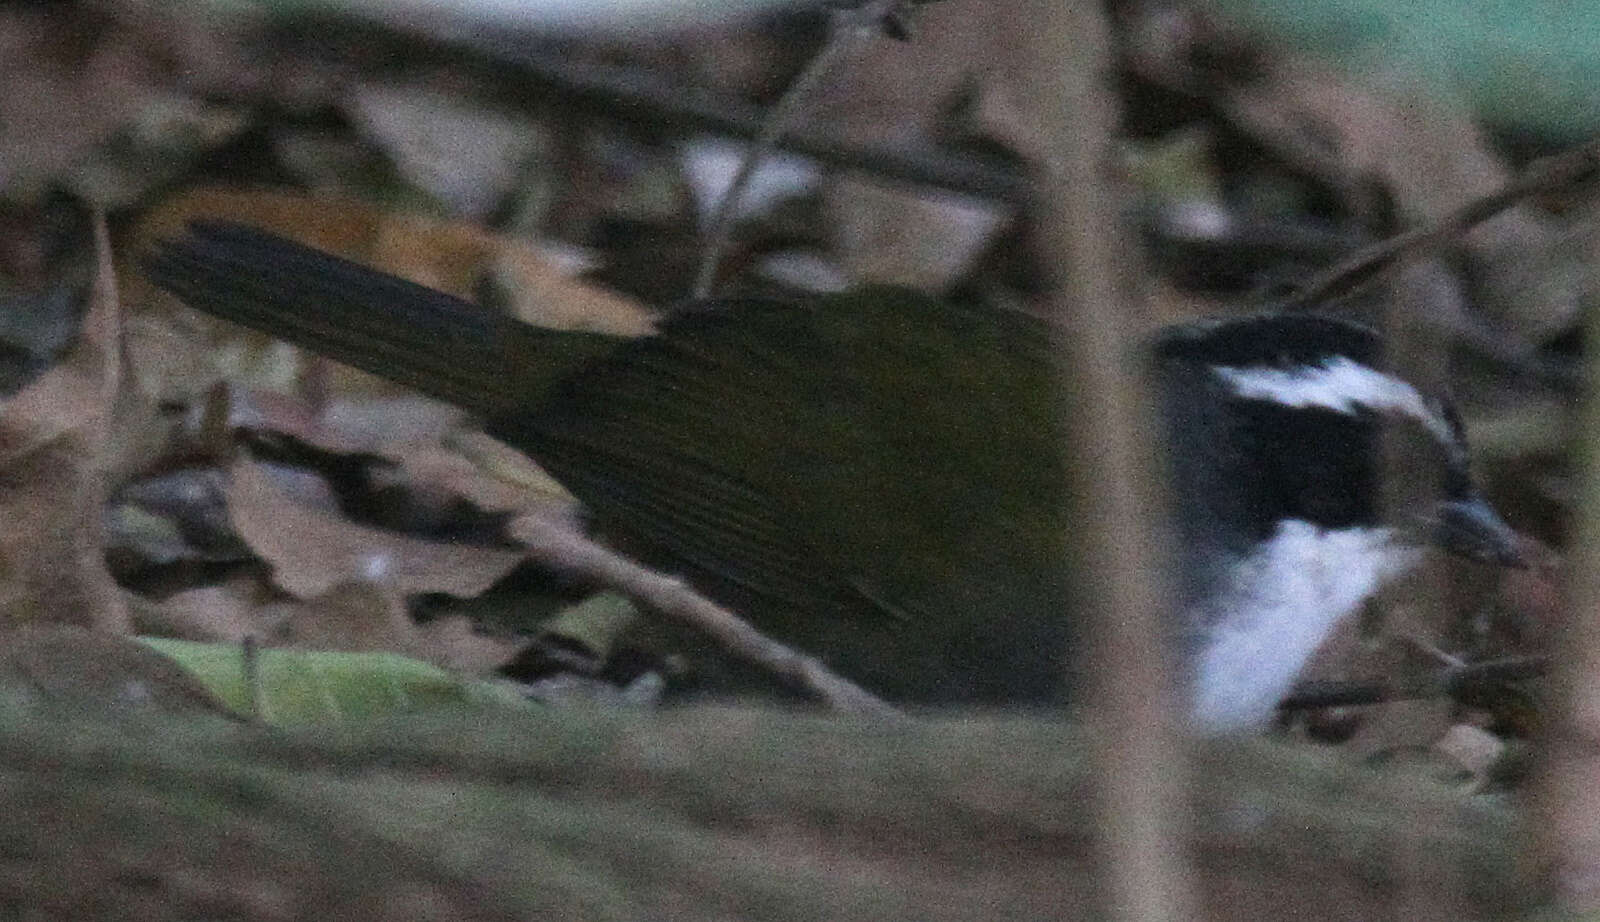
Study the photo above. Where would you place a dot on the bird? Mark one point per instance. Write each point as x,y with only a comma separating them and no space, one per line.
875,476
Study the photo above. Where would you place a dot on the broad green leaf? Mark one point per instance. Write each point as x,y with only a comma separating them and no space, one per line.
311,686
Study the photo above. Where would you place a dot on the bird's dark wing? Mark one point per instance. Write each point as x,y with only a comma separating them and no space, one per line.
878,451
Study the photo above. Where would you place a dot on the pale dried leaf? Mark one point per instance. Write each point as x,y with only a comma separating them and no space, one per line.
312,551
1532,604
710,166
64,100
542,292
463,152
441,469
177,515
898,93
372,423
1402,725
1433,157
352,616
53,445
363,617
504,463
894,236
79,668
1475,749
995,113
228,612
454,643
352,425
595,624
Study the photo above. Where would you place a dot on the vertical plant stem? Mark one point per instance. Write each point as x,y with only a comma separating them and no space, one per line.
1120,557
1567,810
250,666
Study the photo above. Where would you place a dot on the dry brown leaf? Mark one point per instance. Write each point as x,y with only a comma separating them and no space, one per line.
1476,750
1397,639
454,643
311,551
1402,725
432,456
1433,157
352,616
448,476
897,236
465,152
899,92
442,254
344,426
433,476
360,617
447,255
544,293
430,451
63,99
178,515
1532,603
71,666
996,113
224,613
490,475
53,447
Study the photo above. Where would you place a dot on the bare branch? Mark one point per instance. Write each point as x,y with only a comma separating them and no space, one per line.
558,545
1561,172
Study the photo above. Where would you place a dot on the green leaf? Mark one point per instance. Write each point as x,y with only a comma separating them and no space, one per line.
314,686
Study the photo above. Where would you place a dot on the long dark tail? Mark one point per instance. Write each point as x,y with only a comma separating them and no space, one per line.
441,345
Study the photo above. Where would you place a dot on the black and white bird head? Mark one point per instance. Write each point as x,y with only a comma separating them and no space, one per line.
1278,425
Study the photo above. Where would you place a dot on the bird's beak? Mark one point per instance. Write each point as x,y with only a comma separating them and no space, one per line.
1472,529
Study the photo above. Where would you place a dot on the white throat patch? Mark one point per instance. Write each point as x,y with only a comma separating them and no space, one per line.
1281,604
1339,384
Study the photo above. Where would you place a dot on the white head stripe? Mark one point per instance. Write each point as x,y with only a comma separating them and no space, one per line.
1338,384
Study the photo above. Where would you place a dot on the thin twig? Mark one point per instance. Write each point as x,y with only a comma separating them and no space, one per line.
1561,172
559,545
850,31
637,94
640,95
